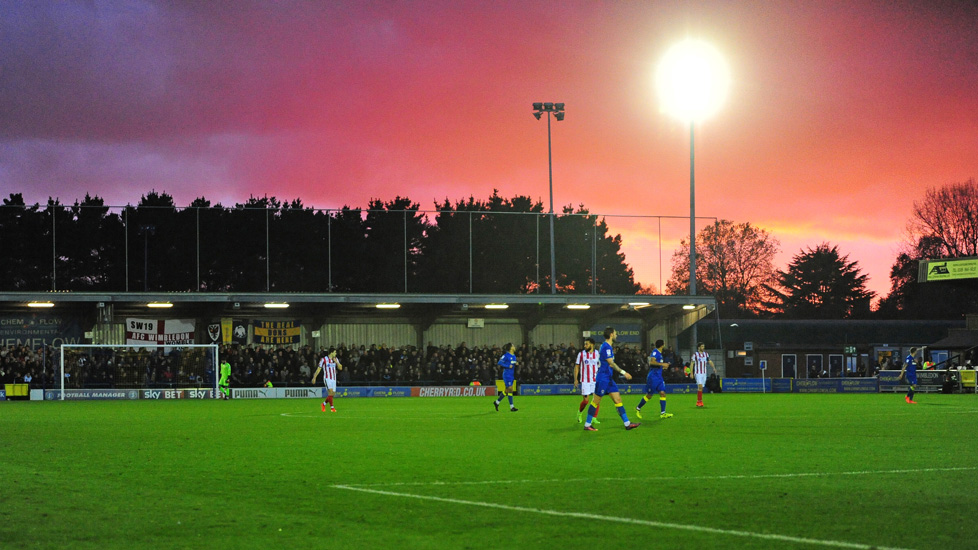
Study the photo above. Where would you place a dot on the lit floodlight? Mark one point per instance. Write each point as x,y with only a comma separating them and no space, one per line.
692,80
387,306
159,305
40,304
578,306
276,305
497,306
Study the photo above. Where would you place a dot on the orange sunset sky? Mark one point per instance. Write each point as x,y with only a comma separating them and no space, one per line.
840,114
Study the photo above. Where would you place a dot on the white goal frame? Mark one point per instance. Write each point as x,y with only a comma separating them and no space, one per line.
215,348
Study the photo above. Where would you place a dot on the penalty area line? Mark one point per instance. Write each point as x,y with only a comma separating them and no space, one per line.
628,521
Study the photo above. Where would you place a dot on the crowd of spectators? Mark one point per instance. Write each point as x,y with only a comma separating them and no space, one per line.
378,364
375,364
22,364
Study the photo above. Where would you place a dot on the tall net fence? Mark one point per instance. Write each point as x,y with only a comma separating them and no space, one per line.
138,367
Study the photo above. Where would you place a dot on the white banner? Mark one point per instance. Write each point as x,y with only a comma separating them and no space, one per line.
160,331
276,393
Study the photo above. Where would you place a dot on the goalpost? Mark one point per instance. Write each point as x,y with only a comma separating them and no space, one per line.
158,367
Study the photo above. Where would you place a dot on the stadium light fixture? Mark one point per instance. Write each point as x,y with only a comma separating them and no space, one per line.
638,304
40,304
578,306
276,305
388,306
159,305
556,109
689,307
497,306
692,80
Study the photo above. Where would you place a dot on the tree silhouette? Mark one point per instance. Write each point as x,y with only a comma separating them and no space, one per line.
734,263
821,284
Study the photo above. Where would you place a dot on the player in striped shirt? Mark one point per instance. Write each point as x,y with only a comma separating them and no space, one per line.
585,373
328,365
604,384
700,360
654,383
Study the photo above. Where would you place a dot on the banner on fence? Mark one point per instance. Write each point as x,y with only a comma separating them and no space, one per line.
160,331
38,329
277,332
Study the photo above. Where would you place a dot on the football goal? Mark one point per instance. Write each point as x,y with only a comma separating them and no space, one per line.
139,367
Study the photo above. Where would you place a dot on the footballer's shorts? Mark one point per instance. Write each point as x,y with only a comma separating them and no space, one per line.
700,379
911,379
587,388
654,385
605,385
330,384
508,378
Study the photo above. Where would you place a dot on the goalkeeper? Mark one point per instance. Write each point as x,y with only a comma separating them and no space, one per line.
223,384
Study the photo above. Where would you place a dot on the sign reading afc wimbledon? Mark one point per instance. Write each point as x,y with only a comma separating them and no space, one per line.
947,269
160,331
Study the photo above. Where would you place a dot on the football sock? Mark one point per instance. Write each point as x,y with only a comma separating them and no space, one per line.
510,399
621,412
583,404
329,400
910,393
591,411
642,403
596,410
699,396
662,404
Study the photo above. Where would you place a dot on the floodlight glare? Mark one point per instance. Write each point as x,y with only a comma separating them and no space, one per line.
693,80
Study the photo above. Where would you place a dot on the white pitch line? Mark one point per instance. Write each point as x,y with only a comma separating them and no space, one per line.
661,478
630,521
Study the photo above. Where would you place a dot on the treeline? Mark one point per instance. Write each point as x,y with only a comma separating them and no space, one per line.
495,246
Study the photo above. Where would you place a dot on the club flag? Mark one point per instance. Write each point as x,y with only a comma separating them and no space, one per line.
227,328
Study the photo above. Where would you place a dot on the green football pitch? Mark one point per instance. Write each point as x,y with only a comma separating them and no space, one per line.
747,471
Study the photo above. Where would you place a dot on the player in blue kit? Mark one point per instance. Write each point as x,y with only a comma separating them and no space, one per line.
654,382
508,363
605,385
909,371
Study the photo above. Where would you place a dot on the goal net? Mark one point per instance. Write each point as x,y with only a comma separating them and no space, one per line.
139,367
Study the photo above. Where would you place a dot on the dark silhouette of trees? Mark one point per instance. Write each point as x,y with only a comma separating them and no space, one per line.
821,284
266,244
734,263
944,224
